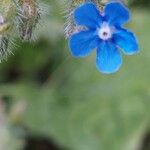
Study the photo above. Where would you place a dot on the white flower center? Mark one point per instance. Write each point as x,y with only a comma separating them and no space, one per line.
104,32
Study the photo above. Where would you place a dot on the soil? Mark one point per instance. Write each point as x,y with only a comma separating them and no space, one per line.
34,143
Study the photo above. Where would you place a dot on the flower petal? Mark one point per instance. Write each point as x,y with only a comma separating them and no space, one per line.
116,13
82,43
88,15
108,58
127,41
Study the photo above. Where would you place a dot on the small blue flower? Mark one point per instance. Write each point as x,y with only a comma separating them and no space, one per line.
104,32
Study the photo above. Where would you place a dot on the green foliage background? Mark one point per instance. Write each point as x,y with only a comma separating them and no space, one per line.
68,100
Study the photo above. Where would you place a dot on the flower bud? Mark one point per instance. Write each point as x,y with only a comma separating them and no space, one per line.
7,16
28,17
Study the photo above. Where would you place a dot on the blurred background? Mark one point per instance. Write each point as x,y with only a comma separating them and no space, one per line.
51,101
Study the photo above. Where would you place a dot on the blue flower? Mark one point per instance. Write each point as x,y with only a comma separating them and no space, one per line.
104,32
